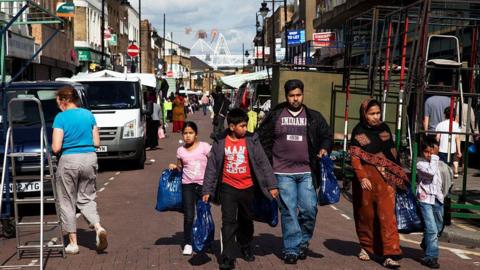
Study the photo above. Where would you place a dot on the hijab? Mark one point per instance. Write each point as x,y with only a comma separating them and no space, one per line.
374,145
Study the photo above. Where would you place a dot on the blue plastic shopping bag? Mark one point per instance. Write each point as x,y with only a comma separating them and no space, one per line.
169,195
265,210
408,215
329,192
203,229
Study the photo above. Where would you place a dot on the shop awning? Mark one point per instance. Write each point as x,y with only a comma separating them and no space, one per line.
236,81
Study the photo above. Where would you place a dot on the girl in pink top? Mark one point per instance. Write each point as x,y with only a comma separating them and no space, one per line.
192,160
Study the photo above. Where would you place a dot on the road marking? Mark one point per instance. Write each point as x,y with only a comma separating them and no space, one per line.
460,254
111,178
456,251
106,184
334,208
117,173
78,215
102,189
345,216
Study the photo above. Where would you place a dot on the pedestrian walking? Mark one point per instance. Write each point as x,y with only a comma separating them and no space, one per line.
167,108
205,102
220,109
75,136
153,122
236,167
435,180
378,172
178,115
294,137
455,149
192,159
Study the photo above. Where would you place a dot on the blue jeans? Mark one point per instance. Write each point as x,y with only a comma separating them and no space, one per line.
298,206
433,219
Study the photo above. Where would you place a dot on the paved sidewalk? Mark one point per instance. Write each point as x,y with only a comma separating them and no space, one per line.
142,238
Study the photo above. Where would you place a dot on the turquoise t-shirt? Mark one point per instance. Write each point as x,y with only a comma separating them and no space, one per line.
77,125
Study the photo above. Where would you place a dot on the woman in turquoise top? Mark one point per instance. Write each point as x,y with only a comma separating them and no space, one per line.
75,137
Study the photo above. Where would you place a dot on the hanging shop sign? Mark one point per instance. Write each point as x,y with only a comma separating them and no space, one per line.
324,39
65,9
113,41
296,37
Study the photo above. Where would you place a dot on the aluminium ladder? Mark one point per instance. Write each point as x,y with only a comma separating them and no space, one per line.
56,243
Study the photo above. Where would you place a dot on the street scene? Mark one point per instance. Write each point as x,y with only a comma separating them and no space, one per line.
295,134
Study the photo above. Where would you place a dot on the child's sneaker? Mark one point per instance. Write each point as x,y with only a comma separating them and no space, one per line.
187,250
72,249
101,240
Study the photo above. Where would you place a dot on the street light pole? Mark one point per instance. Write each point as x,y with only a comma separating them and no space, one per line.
243,57
102,35
286,29
274,44
140,62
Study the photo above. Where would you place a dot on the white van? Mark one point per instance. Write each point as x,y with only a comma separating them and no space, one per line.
119,108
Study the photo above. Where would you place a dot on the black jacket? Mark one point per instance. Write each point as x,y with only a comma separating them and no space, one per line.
220,104
319,136
260,168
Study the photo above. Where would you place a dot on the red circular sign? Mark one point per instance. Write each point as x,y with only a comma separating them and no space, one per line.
169,73
133,50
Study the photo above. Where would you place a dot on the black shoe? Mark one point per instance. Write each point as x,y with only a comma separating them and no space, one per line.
247,254
227,264
422,245
290,259
431,263
302,255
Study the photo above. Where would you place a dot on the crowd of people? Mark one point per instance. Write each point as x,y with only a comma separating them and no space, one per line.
278,160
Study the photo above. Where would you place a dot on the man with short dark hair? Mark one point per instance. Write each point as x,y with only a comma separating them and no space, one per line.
293,137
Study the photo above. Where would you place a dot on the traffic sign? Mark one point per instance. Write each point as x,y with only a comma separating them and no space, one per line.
169,74
133,50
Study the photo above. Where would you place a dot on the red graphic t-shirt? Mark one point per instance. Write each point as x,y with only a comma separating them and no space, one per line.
236,170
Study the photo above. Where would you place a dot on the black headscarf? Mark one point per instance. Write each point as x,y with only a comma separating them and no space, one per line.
374,145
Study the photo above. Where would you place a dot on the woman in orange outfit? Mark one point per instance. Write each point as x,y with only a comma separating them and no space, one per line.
178,113
379,174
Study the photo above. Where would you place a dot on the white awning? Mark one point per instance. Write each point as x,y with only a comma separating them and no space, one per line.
236,81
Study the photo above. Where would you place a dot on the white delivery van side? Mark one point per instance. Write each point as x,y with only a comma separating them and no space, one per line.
119,109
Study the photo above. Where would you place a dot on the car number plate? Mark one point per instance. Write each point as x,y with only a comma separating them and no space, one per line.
102,149
26,187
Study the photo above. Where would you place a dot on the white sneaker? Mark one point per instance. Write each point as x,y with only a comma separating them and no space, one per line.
101,239
187,250
72,249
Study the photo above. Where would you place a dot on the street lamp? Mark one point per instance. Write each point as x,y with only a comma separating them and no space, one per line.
264,12
127,3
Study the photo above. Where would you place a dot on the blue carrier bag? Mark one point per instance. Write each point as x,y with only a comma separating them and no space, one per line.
264,210
409,219
203,229
169,195
329,192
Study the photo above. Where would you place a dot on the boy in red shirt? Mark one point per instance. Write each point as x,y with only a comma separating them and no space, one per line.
236,167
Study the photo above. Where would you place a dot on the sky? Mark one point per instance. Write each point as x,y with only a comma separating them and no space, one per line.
235,19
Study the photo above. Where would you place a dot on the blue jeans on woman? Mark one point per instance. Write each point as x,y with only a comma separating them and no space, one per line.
298,206
433,219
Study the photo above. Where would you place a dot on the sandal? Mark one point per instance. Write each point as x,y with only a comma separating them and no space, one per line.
390,263
363,255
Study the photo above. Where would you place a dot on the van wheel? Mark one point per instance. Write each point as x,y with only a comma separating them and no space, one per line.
140,162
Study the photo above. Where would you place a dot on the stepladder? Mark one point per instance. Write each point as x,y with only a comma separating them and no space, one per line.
36,214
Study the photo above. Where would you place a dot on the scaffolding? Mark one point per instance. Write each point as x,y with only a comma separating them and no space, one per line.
399,55
16,13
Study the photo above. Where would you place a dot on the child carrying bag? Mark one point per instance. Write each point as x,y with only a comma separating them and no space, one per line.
329,192
169,195
203,229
